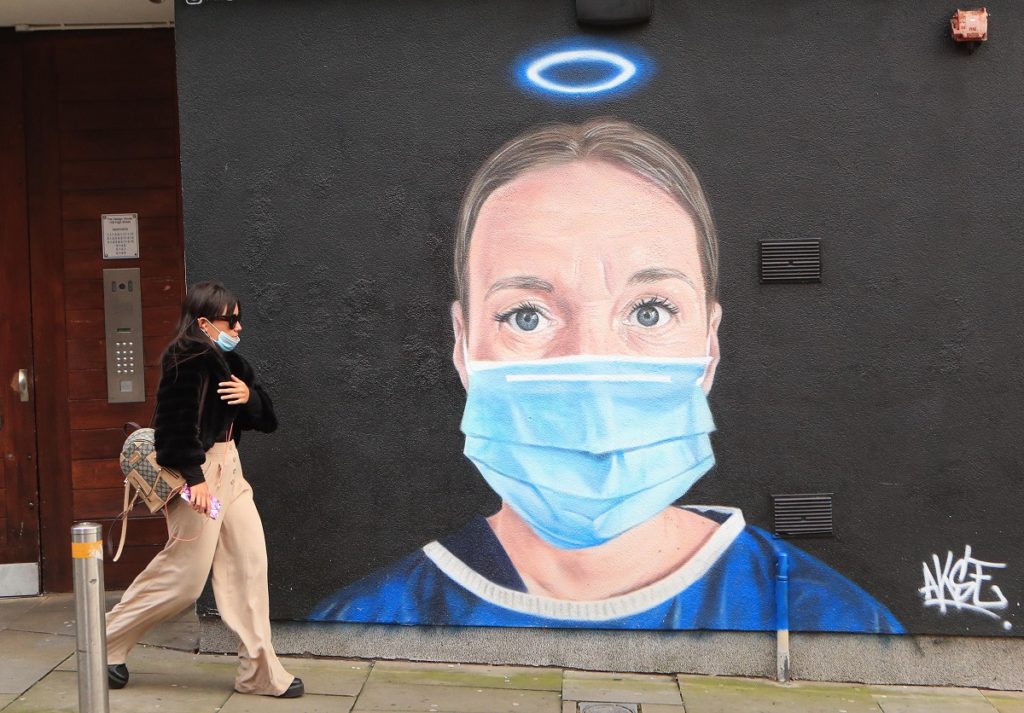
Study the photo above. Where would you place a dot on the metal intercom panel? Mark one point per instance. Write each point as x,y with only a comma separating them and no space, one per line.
122,314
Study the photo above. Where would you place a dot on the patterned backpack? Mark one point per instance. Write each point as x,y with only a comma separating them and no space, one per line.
144,478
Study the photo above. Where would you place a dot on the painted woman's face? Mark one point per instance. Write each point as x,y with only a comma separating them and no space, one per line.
584,258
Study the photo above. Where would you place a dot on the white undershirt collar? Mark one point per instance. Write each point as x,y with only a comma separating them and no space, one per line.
601,609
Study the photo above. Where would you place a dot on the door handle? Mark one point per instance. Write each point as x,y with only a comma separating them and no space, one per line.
23,384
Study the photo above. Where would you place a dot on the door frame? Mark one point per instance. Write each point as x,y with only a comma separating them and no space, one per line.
42,141
20,539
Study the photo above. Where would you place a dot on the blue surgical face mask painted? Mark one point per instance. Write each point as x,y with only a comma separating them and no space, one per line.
584,448
225,341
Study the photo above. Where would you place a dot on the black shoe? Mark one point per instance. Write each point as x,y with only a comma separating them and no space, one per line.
117,675
295,690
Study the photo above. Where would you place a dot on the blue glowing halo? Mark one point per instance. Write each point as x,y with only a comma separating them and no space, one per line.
627,68
535,71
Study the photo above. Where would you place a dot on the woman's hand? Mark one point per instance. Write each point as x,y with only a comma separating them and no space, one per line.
235,392
200,499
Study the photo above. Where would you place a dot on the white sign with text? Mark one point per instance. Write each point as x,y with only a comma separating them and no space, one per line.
120,236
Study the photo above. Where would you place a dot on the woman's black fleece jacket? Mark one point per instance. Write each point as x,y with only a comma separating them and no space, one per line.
182,438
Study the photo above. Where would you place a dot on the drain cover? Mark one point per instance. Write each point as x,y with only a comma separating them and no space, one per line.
596,707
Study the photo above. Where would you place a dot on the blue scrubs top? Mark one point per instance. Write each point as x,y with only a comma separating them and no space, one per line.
467,579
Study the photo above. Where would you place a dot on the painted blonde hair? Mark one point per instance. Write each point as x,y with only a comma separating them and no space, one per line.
604,139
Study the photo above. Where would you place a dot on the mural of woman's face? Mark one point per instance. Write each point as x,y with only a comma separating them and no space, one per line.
584,258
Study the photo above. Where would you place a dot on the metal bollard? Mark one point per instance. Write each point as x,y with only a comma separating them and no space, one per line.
90,617
782,617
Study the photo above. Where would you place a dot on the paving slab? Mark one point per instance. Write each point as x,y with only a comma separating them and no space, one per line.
207,678
12,608
620,688
1005,701
165,675
745,695
153,659
918,699
37,655
660,708
6,698
58,693
332,677
480,676
454,699
309,703
68,664
54,614
180,631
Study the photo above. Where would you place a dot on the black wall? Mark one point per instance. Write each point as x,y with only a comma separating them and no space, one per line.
325,146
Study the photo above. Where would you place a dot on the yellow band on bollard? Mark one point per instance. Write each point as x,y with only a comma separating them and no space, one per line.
85,550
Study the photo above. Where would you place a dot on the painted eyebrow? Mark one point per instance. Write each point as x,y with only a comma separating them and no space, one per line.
521,282
655,274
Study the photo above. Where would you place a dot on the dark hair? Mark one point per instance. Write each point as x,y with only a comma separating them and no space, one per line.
205,299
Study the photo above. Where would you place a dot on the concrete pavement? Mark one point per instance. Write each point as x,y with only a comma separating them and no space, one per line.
38,673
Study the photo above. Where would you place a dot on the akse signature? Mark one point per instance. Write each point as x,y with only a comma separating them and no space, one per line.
961,584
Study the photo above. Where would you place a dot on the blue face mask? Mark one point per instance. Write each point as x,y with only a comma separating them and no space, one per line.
585,448
225,341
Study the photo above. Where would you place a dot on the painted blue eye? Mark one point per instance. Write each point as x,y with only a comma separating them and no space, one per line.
527,320
524,318
652,312
647,316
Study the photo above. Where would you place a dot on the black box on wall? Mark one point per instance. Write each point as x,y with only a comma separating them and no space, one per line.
613,12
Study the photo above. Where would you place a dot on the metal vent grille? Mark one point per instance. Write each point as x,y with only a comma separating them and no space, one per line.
803,515
790,261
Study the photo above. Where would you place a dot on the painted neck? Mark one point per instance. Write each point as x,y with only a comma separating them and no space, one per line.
638,557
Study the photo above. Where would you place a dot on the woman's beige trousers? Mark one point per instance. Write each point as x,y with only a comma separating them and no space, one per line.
235,547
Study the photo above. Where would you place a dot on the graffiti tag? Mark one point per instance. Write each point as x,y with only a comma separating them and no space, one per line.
960,584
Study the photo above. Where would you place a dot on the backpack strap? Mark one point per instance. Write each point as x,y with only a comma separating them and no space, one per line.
202,402
128,505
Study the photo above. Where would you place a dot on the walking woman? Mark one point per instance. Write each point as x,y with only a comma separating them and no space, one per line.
208,395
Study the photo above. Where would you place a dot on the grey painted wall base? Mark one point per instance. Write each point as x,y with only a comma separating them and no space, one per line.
19,580
913,660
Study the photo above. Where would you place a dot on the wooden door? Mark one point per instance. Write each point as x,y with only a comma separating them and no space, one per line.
19,511
101,136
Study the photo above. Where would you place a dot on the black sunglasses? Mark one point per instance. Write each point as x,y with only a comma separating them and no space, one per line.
231,319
